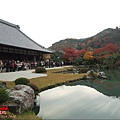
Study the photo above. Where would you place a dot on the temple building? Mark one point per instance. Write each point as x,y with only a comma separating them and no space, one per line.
14,44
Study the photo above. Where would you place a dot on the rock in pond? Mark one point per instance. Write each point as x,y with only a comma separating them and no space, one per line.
94,75
102,75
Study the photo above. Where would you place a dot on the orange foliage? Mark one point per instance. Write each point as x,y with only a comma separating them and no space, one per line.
88,55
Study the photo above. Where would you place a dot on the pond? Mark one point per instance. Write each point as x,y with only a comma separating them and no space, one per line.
81,100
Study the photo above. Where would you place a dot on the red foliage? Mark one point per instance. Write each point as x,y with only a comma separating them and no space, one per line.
81,52
111,48
98,51
70,54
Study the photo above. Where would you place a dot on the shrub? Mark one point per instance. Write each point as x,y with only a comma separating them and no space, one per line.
84,62
4,95
83,70
22,80
40,70
34,87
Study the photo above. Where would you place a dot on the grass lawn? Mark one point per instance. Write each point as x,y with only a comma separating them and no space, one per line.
42,82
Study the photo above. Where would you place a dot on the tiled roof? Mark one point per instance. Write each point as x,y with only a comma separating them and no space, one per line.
10,34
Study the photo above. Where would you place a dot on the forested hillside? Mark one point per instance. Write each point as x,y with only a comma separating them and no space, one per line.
99,40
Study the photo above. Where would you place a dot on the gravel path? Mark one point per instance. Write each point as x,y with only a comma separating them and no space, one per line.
11,76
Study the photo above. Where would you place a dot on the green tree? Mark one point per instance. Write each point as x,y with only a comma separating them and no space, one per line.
57,56
78,61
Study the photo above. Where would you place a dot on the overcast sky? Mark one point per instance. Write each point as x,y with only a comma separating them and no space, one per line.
49,21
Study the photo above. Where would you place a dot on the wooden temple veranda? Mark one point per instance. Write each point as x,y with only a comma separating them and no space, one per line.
14,44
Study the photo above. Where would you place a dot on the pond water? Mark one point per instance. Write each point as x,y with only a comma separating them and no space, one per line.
78,102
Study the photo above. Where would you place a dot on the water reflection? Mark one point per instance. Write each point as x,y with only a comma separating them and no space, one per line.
87,99
107,87
77,102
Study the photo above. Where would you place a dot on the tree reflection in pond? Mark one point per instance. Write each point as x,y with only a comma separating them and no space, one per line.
109,87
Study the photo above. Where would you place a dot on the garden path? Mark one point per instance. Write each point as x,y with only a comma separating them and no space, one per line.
11,76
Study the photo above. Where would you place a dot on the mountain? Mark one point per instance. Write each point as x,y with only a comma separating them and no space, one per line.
66,43
101,39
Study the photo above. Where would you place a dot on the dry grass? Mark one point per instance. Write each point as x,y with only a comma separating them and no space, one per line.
54,78
10,84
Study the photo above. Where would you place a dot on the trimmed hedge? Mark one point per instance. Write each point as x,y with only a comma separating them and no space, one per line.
22,80
40,70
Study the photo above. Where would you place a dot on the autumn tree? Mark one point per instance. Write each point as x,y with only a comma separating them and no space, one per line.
110,48
98,51
81,52
88,55
70,54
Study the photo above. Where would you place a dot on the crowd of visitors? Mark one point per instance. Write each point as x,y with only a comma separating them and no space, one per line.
12,65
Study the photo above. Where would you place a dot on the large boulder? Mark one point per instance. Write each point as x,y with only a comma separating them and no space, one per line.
24,96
